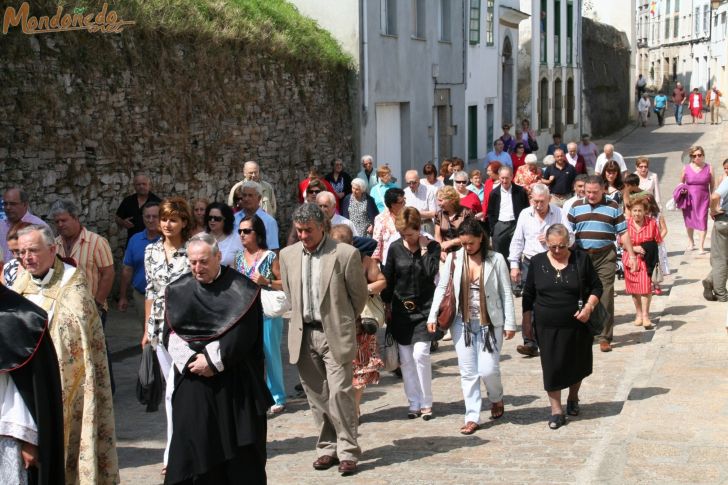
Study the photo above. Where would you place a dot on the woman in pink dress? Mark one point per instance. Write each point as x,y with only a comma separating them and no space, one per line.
589,151
698,176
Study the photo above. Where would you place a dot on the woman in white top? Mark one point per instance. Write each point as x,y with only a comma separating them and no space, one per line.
648,180
430,176
485,315
219,219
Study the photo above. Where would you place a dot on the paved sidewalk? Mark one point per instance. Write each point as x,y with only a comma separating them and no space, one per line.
654,409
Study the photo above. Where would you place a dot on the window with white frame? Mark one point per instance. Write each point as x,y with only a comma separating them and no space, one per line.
706,19
445,21
474,27
388,18
490,22
418,18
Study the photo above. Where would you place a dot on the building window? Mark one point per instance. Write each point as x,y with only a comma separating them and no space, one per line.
675,25
388,19
697,21
706,19
667,28
445,21
489,126
557,32
418,17
472,132
489,23
543,24
569,32
474,22
570,101
543,99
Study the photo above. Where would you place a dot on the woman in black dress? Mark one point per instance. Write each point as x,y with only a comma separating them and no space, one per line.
553,297
412,264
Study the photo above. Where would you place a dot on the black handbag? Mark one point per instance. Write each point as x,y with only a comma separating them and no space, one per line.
150,383
599,315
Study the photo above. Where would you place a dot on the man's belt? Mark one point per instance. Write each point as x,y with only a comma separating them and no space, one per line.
600,250
314,324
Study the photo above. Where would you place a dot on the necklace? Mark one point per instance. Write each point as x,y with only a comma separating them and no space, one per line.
251,268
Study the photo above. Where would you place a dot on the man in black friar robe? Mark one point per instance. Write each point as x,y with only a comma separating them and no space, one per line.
31,421
214,334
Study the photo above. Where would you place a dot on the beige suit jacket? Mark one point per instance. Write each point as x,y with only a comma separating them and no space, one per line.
343,294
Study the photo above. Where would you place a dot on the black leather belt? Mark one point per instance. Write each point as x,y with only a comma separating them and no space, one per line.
314,324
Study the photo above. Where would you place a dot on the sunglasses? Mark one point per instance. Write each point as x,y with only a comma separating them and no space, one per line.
215,218
412,182
314,192
696,155
461,181
557,246
245,231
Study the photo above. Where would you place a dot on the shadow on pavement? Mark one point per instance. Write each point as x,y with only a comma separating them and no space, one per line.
640,393
683,310
634,338
684,281
299,444
412,449
529,416
132,456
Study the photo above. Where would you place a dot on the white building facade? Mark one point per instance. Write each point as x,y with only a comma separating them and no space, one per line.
492,81
553,103
681,41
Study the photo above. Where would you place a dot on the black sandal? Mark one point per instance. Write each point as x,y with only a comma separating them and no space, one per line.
572,408
556,421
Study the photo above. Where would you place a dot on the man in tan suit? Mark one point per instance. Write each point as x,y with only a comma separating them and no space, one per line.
325,283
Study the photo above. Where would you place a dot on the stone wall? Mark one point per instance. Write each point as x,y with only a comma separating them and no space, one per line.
81,112
606,82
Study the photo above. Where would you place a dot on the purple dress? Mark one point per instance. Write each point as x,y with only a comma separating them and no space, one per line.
696,217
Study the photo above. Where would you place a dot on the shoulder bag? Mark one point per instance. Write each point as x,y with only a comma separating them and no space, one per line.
388,350
599,315
374,310
275,302
446,311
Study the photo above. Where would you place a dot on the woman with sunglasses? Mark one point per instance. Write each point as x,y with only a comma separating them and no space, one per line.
698,176
468,198
558,299
518,157
219,224
259,264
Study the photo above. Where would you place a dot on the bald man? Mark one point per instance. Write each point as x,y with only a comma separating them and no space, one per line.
607,155
129,214
251,171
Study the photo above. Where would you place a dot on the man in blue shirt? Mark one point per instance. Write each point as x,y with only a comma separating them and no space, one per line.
250,194
556,144
499,155
133,269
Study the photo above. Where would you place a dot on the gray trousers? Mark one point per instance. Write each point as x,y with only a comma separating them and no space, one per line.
605,264
330,395
502,235
719,257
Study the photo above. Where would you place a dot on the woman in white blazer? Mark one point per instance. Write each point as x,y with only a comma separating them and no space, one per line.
484,315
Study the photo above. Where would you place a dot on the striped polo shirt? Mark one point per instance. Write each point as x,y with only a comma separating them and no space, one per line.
596,226
91,252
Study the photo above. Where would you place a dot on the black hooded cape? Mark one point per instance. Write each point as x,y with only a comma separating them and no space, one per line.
219,422
28,355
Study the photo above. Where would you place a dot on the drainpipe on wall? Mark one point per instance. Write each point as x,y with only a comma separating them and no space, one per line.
365,61
579,67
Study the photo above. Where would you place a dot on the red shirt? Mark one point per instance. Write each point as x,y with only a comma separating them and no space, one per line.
518,161
472,202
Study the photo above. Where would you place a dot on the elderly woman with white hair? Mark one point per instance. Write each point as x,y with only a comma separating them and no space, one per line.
529,174
575,159
359,207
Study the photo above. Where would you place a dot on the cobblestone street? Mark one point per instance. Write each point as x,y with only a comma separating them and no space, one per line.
654,409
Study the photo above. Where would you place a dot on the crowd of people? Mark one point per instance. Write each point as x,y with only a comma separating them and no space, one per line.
696,102
210,283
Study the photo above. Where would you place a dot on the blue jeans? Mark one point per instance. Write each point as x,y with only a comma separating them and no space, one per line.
678,113
272,334
477,364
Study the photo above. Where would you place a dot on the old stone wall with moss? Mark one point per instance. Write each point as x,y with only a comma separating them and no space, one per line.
81,113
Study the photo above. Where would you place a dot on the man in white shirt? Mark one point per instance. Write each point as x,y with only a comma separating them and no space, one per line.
579,183
529,239
422,198
251,171
504,206
17,209
607,155
327,202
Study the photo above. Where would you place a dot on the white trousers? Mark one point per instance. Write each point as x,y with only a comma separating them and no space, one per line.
477,364
416,367
165,365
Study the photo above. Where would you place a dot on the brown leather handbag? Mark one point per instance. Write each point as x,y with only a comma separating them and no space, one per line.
446,312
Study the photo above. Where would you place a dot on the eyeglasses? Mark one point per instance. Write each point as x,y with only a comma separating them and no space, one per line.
553,247
412,182
215,218
245,230
696,155
461,181
314,192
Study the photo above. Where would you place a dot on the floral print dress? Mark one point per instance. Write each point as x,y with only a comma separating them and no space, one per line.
160,272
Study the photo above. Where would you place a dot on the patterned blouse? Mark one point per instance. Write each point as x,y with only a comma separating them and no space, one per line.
160,272
384,229
358,214
10,271
526,178
264,266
